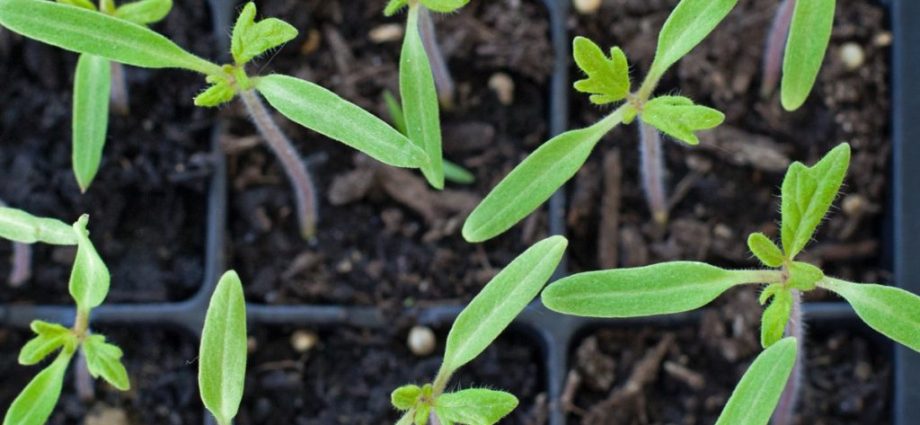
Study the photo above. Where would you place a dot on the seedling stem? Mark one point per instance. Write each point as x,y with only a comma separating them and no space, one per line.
442,78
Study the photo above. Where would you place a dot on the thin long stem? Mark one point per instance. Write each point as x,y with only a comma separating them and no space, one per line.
433,418
785,410
776,44
652,158
442,78
118,97
304,189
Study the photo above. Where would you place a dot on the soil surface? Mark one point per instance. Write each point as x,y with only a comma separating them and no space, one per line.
347,376
160,363
728,187
687,373
385,238
148,201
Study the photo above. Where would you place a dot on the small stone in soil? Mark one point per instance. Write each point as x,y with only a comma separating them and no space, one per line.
421,341
503,86
303,341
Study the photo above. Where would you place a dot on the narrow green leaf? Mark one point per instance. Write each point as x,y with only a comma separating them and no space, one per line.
444,6
104,360
689,23
893,312
326,113
775,318
608,78
49,337
33,406
20,226
765,250
394,6
756,396
144,12
396,112
804,276
420,100
86,31
500,301
405,397
644,291
679,118
251,39
809,35
457,174
535,180
422,413
807,194
86,4
89,279
91,87
475,406
222,370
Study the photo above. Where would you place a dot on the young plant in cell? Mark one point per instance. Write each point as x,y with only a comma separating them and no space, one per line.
807,195
796,45
89,285
480,323
308,104
422,74
222,356
542,173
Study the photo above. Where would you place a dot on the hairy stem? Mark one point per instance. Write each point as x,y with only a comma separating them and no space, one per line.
304,191
776,44
118,97
83,381
433,418
785,410
442,78
653,171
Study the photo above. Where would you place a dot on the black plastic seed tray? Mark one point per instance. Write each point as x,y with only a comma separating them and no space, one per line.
554,333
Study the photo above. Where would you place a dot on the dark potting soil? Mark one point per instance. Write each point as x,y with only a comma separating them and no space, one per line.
160,363
690,372
728,186
147,203
385,238
347,377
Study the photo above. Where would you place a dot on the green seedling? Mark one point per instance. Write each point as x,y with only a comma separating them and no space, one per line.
417,81
797,42
480,323
452,172
542,173
807,195
222,356
89,285
87,32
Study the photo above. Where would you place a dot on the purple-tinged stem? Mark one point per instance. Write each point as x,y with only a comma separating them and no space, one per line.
442,78
83,381
433,419
652,155
785,410
776,45
118,95
304,189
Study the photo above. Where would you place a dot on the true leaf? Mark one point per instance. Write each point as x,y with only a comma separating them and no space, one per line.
804,276
394,6
475,406
92,84
679,118
444,6
222,370
457,174
422,414
89,279
20,226
891,311
86,31
756,396
807,194
217,94
405,397
809,35
325,112
775,318
144,12
86,4
395,111
608,78
251,38
49,337
535,179
644,291
104,360
33,406
770,291
420,100
765,250
689,23
500,301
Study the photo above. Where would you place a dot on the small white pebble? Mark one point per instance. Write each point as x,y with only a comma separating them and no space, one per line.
882,39
386,33
852,55
587,6
503,86
854,205
303,341
251,344
421,341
